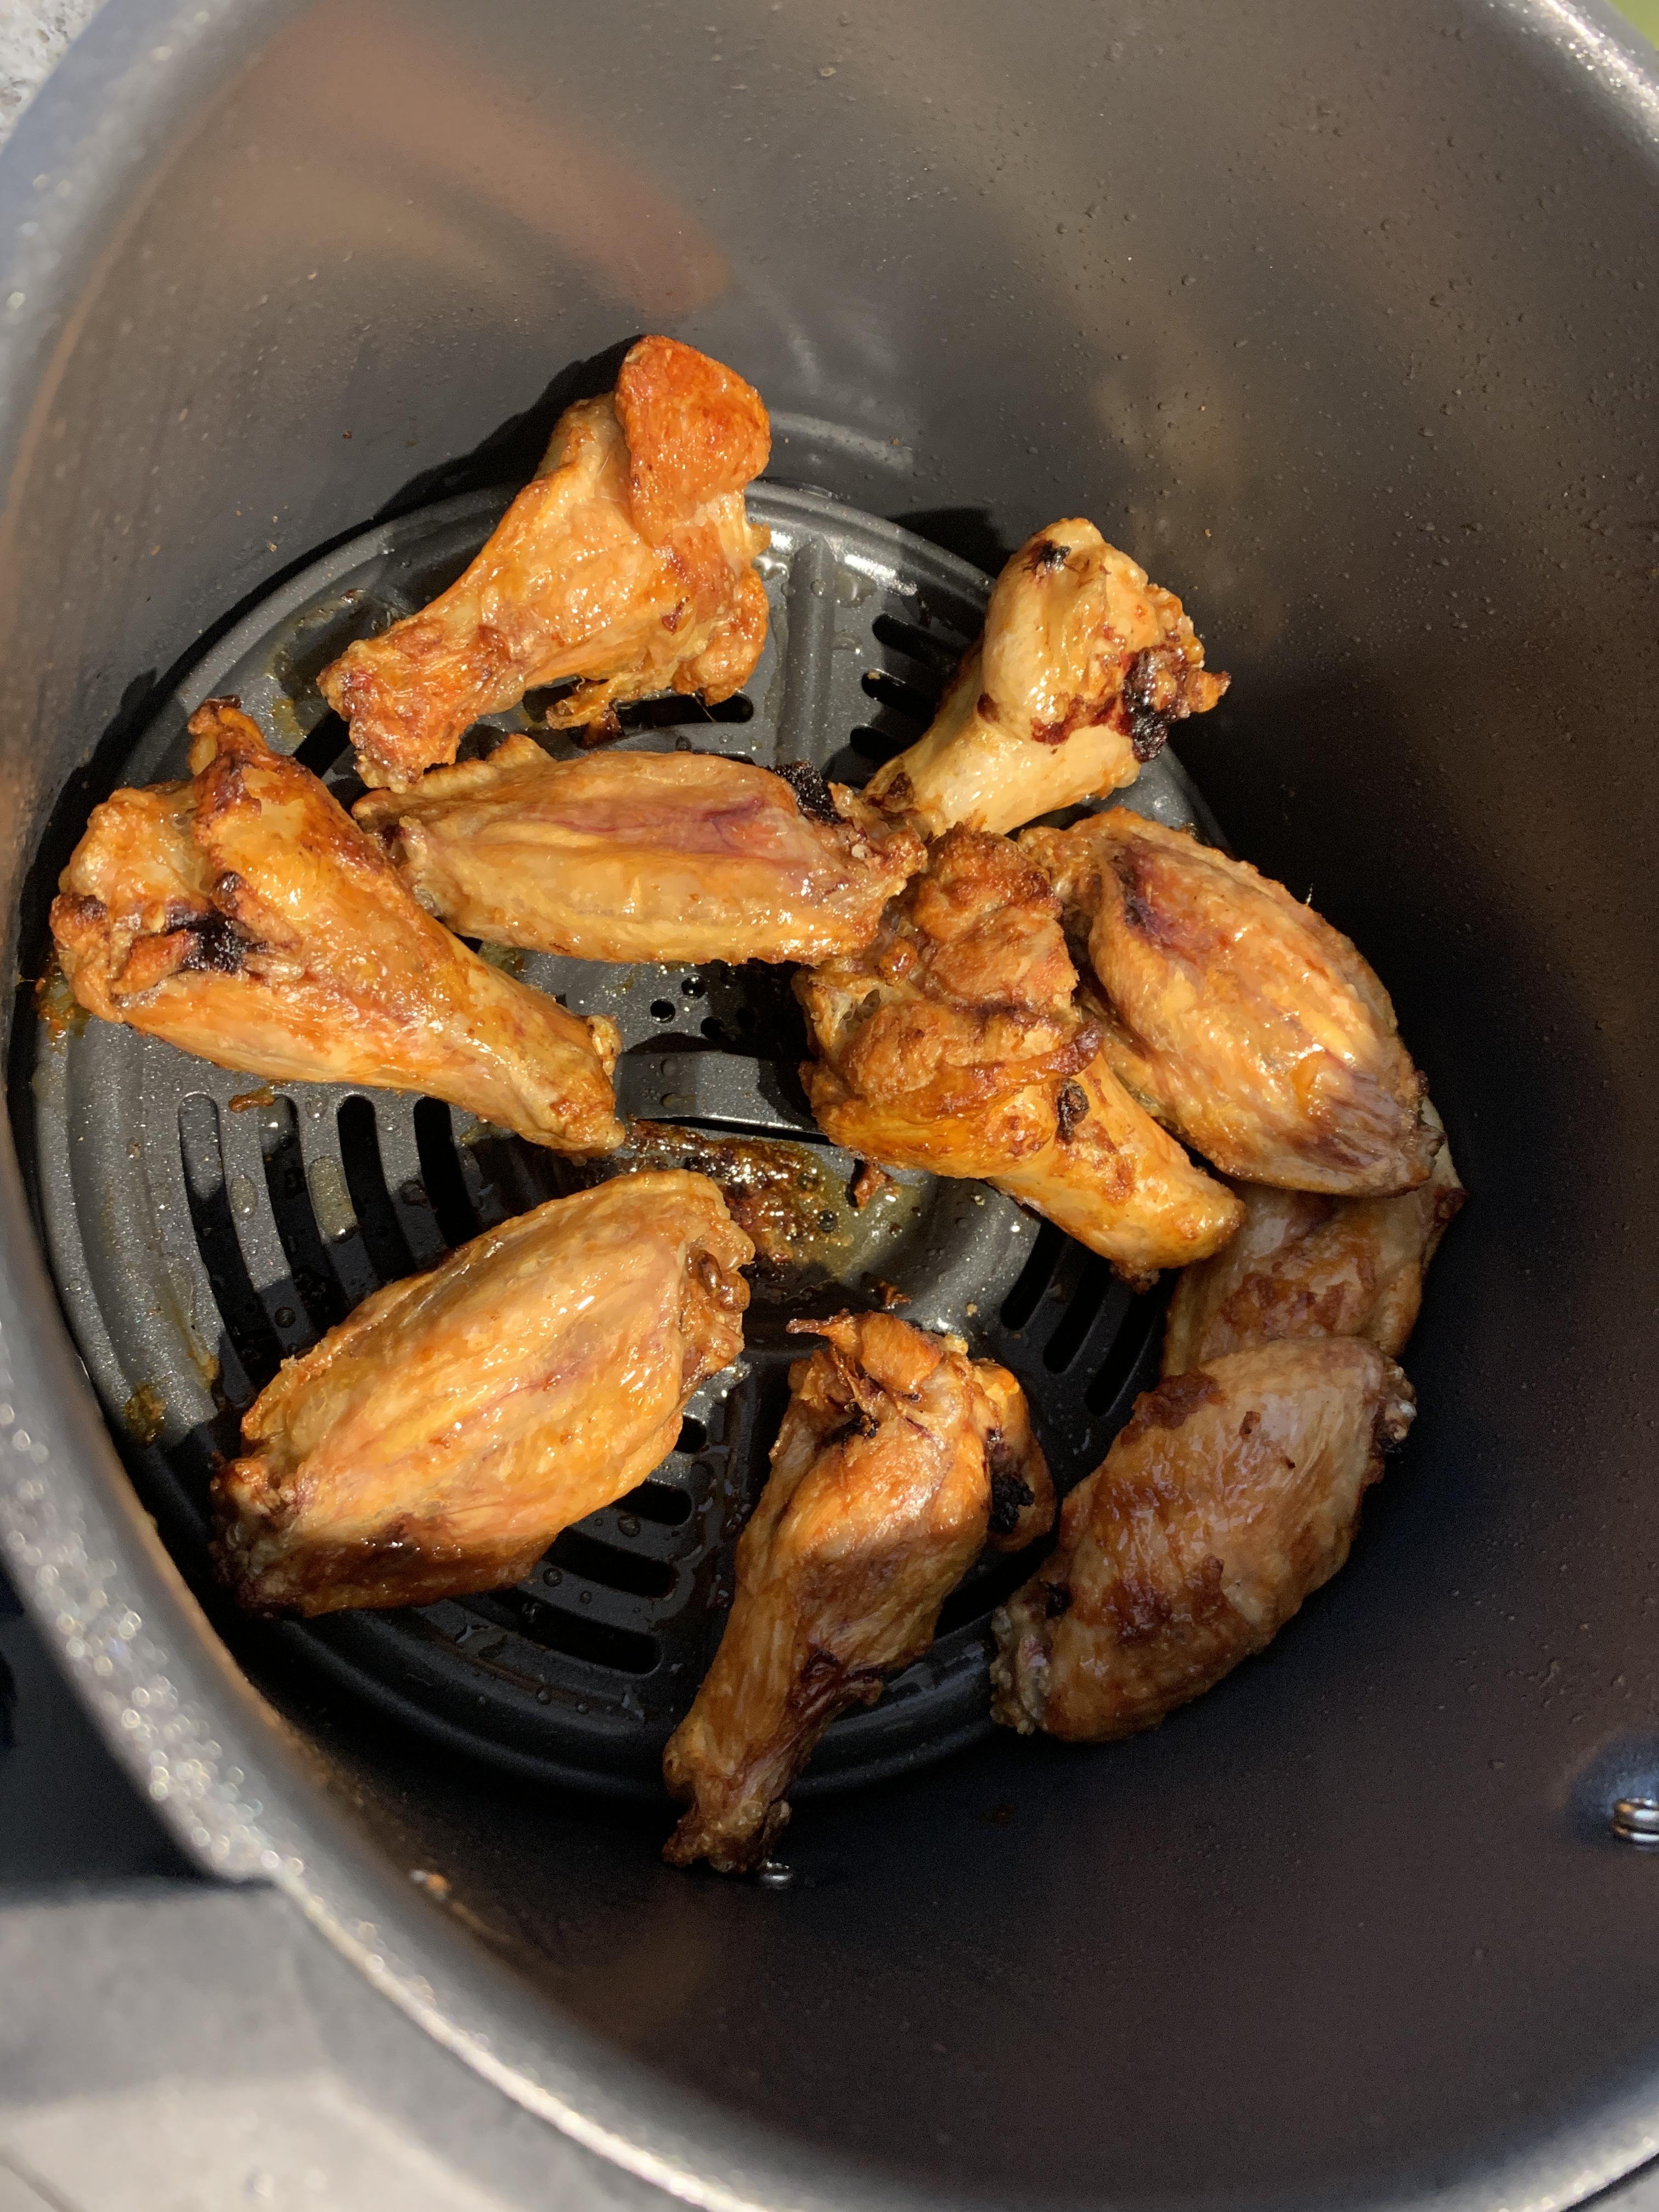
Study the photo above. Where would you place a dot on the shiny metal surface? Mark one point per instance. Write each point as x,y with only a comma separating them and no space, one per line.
1395,443
1636,1820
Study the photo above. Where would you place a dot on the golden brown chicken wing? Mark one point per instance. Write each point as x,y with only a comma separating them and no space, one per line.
441,1436
1305,1264
1237,1016
1232,1493
963,999
1082,668
644,856
1111,1178
244,916
896,1454
627,562
954,1042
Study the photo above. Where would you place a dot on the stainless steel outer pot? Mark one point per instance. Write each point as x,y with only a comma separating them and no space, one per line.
1342,318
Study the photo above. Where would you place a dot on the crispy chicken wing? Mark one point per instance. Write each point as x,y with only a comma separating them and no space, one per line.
1305,1264
1237,1015
955,1044
896,1454
628,563
441,1436
1082,668
644,856
244,916
1232,1493
1113,1179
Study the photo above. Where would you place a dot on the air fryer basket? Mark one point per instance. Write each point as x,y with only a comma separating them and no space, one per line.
203,1225
1343,322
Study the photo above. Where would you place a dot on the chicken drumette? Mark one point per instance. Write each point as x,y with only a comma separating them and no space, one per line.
1305,1264
1232,1493
441,1436
628,563
955,1044
243,915
1072,688
644,856
898,1455
1237,1015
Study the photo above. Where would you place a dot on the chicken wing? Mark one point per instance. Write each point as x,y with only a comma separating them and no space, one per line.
897,1456
955,1044
1304,1265
1072,688
441,1436
1111,1178
244,916
644,856
628,563
1237,1015
1232,1493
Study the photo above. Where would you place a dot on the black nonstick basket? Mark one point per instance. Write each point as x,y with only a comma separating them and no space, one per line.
203,1224
1342,321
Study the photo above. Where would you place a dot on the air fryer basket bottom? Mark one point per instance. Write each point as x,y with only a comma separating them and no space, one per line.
205,1225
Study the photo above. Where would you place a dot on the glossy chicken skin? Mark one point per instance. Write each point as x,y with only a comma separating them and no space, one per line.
1113,1179
644,856
1238,1016
244,916
441,1436
628,563
1233,1492
898,1457
1082,667
955,1044
1305,1264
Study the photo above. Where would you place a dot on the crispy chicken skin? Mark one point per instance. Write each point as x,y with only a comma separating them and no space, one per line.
964,998
1072,688
1113,1179
1304,1265
644,856
244,916
897,1456
628,563
1233,1491
1237,1015
441,1436
955,1044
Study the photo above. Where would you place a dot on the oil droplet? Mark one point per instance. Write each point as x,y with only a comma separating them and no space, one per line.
336,1215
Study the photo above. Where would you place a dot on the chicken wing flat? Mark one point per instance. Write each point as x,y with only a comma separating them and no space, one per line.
441,1436
244,916
1233,1492
644,856
628,563
955,1044
895,1455
1237,1015
1082,668
1113,1179
1305,1264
